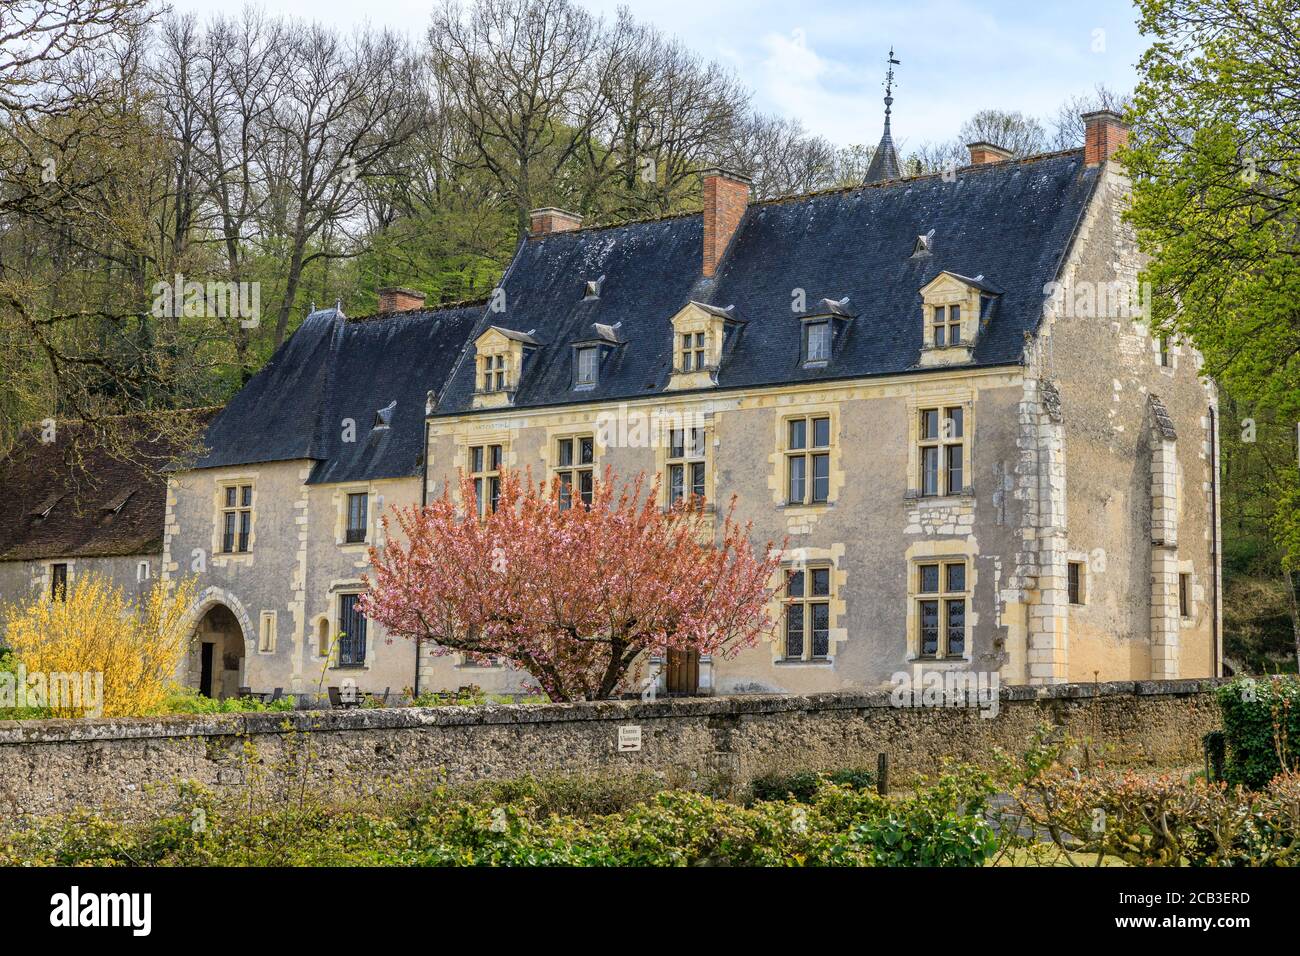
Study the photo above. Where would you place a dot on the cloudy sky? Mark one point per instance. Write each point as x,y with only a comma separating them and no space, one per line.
823,60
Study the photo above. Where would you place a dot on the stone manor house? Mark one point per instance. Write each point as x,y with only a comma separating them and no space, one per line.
934,388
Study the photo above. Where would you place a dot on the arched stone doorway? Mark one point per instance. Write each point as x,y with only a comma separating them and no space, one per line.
217,667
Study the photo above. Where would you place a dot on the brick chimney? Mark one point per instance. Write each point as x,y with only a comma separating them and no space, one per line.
1104,132
544,221
726,195
397,299
983,153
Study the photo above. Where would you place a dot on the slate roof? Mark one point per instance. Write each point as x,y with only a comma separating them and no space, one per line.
1009,223
78,497
333,369
884,164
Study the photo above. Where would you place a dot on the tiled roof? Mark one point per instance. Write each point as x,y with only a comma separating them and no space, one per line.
77,497
334,371
1010,224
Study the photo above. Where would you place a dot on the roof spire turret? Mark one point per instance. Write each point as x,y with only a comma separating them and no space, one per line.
884,162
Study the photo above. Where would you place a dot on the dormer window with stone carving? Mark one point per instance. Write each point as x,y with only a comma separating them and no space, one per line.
947,325
492,373
954,308
694,354
702,335
501,355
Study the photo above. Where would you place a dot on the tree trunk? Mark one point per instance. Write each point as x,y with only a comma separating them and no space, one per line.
1293,597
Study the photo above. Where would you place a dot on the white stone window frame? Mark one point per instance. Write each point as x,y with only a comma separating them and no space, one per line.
1085,577
941,552
487,472
802,559
693,453
555,469
236,481
806,601
342,502
267,627
810,451
942,401
337,591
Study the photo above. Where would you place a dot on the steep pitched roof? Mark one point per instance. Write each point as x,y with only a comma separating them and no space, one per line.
332,371
1009,223
78,497
885,164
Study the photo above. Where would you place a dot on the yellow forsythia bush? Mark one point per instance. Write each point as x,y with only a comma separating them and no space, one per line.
136,644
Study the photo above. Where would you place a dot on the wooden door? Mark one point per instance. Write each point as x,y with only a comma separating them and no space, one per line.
683,672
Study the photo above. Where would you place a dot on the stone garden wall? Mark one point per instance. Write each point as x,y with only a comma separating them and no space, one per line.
134,765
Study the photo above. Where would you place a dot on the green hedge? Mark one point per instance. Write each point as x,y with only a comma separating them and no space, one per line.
1261,724
942,825
802,786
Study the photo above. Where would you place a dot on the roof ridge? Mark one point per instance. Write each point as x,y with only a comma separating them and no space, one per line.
887,183
828,191
422,310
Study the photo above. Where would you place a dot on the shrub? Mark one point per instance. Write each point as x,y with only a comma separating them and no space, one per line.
1261,724
1150,820
802,786
580,796
186,700
135,645
940,826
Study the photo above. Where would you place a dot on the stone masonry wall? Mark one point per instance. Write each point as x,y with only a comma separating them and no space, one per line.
132,766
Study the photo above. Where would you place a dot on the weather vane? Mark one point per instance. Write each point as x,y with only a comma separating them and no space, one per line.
889,81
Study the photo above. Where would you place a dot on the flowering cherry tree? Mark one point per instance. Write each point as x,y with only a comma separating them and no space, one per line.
574,596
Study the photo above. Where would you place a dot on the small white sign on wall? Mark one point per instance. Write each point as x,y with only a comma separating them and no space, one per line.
629,738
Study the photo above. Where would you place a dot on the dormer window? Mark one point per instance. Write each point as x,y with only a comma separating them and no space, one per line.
588,365
590,353
502,355
694,353
954,309
817,341
947,325
702,337
493,375
823,324
42,511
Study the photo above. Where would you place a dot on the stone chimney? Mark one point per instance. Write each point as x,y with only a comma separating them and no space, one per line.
397,299
544,221
726,195
1104,132
983,153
